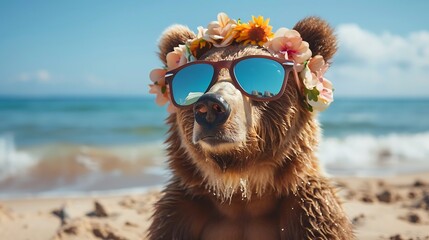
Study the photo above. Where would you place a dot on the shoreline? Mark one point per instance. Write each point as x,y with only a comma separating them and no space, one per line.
393,207
82,195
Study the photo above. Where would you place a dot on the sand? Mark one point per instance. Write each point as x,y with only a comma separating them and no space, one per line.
395,207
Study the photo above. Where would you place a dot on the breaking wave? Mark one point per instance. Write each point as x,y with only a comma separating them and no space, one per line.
68,168
374,155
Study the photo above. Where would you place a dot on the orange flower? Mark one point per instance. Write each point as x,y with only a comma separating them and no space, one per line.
256,32
199,46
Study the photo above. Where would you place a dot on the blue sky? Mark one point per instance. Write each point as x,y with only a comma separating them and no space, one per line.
91,48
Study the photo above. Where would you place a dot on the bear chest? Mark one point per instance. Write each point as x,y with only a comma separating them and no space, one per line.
243,228
257,219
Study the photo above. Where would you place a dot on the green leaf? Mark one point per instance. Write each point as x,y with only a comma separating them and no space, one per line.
312,94
306,63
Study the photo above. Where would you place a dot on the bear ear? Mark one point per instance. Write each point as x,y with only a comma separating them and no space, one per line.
319,35
171,38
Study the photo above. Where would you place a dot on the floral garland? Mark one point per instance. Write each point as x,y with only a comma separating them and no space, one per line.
284,43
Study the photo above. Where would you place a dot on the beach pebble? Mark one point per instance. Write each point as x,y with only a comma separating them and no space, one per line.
422,202
72,230
61,213
88,229
106,233
412,195
130,224
413,218
99,211
419,183
367,198
385,196
381,183
396,237
358,220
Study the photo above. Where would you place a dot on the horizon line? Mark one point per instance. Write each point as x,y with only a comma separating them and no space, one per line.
147,96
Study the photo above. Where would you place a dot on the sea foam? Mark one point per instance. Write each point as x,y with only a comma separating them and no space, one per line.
62,169
373,155
12,162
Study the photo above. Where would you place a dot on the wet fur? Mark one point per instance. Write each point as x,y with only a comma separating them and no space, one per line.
269,187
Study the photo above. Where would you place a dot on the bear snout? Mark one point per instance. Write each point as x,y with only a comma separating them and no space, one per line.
211,110
219,117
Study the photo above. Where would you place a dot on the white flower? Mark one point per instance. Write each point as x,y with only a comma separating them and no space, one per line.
221,32
308,78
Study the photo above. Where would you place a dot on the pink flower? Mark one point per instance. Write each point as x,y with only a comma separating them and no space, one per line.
161,89
326,93
313,78
325,97
221,32
289,45
313,71
177,58
318,65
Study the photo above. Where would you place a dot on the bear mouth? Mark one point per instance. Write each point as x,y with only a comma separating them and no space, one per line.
214,140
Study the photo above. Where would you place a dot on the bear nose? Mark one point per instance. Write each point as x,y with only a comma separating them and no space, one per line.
211,110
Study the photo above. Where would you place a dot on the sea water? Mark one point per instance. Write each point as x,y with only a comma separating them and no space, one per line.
375,136
81,145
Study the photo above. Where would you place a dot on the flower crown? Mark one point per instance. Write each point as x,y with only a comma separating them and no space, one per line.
284,43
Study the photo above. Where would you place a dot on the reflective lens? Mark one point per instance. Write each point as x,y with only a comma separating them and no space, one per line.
191,82
260,77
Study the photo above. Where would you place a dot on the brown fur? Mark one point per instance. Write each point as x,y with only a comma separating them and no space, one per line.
171,38
267,187
319,35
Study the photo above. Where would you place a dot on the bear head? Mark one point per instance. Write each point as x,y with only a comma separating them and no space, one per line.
256,146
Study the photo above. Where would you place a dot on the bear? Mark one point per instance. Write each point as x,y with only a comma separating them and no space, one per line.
256,175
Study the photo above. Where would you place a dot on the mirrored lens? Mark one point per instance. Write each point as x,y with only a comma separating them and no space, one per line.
191,82
260,77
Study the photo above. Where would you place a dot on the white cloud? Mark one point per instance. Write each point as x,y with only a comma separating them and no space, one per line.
371,64
36,76
43,75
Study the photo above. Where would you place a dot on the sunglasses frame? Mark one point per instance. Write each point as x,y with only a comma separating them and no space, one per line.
288,65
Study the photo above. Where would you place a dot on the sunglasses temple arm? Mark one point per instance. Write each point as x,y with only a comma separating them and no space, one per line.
297,80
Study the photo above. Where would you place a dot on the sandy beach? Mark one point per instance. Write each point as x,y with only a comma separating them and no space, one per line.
394,207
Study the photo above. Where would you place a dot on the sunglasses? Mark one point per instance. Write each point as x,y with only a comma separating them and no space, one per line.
261,78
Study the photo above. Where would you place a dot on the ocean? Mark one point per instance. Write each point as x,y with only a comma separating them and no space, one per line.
72,146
